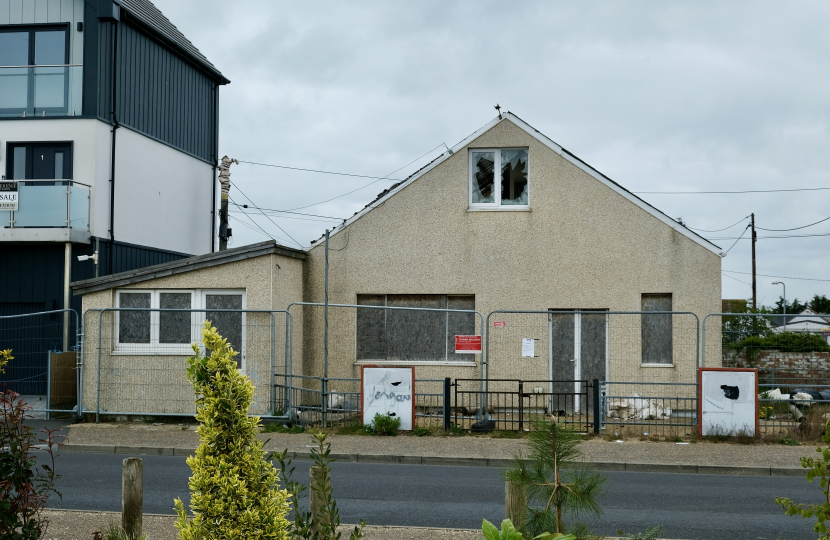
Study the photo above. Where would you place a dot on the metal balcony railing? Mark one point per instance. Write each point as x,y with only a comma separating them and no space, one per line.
43,91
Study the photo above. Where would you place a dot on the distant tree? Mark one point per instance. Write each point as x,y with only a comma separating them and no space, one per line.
792,307
820,304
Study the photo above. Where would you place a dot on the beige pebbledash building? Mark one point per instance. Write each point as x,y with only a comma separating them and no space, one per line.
509,220
504,221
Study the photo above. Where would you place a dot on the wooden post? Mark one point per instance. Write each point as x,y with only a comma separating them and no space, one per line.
515,503
315,502
132,496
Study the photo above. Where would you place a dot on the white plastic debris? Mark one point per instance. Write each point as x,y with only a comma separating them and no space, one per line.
638,408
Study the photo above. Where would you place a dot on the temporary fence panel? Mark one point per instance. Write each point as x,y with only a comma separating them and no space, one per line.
135,359
334,340
800,348
578,345
642,409
45,366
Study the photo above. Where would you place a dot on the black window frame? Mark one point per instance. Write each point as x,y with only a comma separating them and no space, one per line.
30,97
30,146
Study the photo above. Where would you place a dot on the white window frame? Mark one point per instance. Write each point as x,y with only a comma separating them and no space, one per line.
154,348
496,204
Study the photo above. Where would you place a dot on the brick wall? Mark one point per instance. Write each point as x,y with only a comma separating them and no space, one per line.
785,363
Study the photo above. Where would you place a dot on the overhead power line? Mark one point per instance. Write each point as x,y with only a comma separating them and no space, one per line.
269,219
715,192
736,240
794,228
719,230
286,211
779,277
738,280
773,237
316,171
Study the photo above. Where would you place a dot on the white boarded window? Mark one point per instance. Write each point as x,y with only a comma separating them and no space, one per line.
395,335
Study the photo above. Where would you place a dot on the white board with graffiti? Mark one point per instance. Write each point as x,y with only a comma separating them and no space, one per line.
388,390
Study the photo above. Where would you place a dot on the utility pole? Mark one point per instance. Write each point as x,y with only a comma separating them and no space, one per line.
225,181
754,289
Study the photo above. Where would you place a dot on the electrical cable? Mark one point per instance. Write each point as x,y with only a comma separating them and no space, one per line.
317,171
269,219
252,221
300,218
287,212
779,277
712,192
794,228
738,280
780,236
370,183
736,241
719,230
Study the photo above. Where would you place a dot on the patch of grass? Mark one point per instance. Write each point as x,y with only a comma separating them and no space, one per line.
421,432
351,429
499,434
276,427
114,532
455,430
674,439
649,534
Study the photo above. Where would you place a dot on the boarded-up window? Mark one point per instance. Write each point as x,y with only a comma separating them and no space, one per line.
656,329
134,326
411,335
228,324
175,326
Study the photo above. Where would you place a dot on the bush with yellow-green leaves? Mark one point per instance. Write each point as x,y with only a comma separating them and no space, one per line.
234,490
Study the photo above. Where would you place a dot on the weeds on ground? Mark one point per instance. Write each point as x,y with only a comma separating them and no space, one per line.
500,434
114,532
816,467
649,534
788,442
383,424
421,432
323,525
275,427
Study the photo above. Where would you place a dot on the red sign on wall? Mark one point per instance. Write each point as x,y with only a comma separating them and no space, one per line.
468,344
499,323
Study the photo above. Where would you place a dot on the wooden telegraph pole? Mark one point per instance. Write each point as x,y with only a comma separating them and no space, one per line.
754,288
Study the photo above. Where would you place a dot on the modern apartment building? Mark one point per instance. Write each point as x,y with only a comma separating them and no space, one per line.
108,143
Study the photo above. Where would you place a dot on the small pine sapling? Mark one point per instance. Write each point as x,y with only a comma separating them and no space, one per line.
818,467
553,479
234,490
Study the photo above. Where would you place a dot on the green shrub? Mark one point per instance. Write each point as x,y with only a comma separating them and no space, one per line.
818,467
24,486
234,490
783,341
421,431
276,427
508,532
114,532
383,424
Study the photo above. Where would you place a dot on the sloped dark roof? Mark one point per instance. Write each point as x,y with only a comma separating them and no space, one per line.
148,14
185,265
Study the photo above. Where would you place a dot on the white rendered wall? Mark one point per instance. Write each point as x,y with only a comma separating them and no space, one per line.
163,197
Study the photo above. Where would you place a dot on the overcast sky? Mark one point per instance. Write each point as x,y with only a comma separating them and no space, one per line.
680,96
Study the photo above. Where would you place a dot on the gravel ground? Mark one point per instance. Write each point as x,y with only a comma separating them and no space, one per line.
65,525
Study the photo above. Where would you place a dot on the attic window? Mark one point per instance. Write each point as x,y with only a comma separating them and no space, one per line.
511,191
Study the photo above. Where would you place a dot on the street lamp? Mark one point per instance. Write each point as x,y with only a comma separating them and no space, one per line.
785,301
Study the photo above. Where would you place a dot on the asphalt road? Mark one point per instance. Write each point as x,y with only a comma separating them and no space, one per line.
687,505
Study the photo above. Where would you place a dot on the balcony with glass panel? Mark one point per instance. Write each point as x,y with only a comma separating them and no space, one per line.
36,77
48,210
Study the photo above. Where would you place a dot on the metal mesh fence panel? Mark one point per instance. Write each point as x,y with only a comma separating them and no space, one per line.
793,408
567,346
45,366
655,410
135,360
797,346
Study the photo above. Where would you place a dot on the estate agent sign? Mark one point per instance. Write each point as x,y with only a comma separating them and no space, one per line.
8,196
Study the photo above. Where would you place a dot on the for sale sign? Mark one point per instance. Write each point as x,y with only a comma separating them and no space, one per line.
8,196
468,344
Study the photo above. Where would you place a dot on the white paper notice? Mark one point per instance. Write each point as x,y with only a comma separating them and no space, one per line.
527,347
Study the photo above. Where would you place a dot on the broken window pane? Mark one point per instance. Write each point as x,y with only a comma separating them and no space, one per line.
174,326
134,326
228,324
483,177
656,329
514,177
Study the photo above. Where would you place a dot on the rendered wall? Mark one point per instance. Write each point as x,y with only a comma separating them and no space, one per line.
580,245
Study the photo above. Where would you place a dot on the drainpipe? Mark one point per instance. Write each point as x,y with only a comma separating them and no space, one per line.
112,158
213,174
67,277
